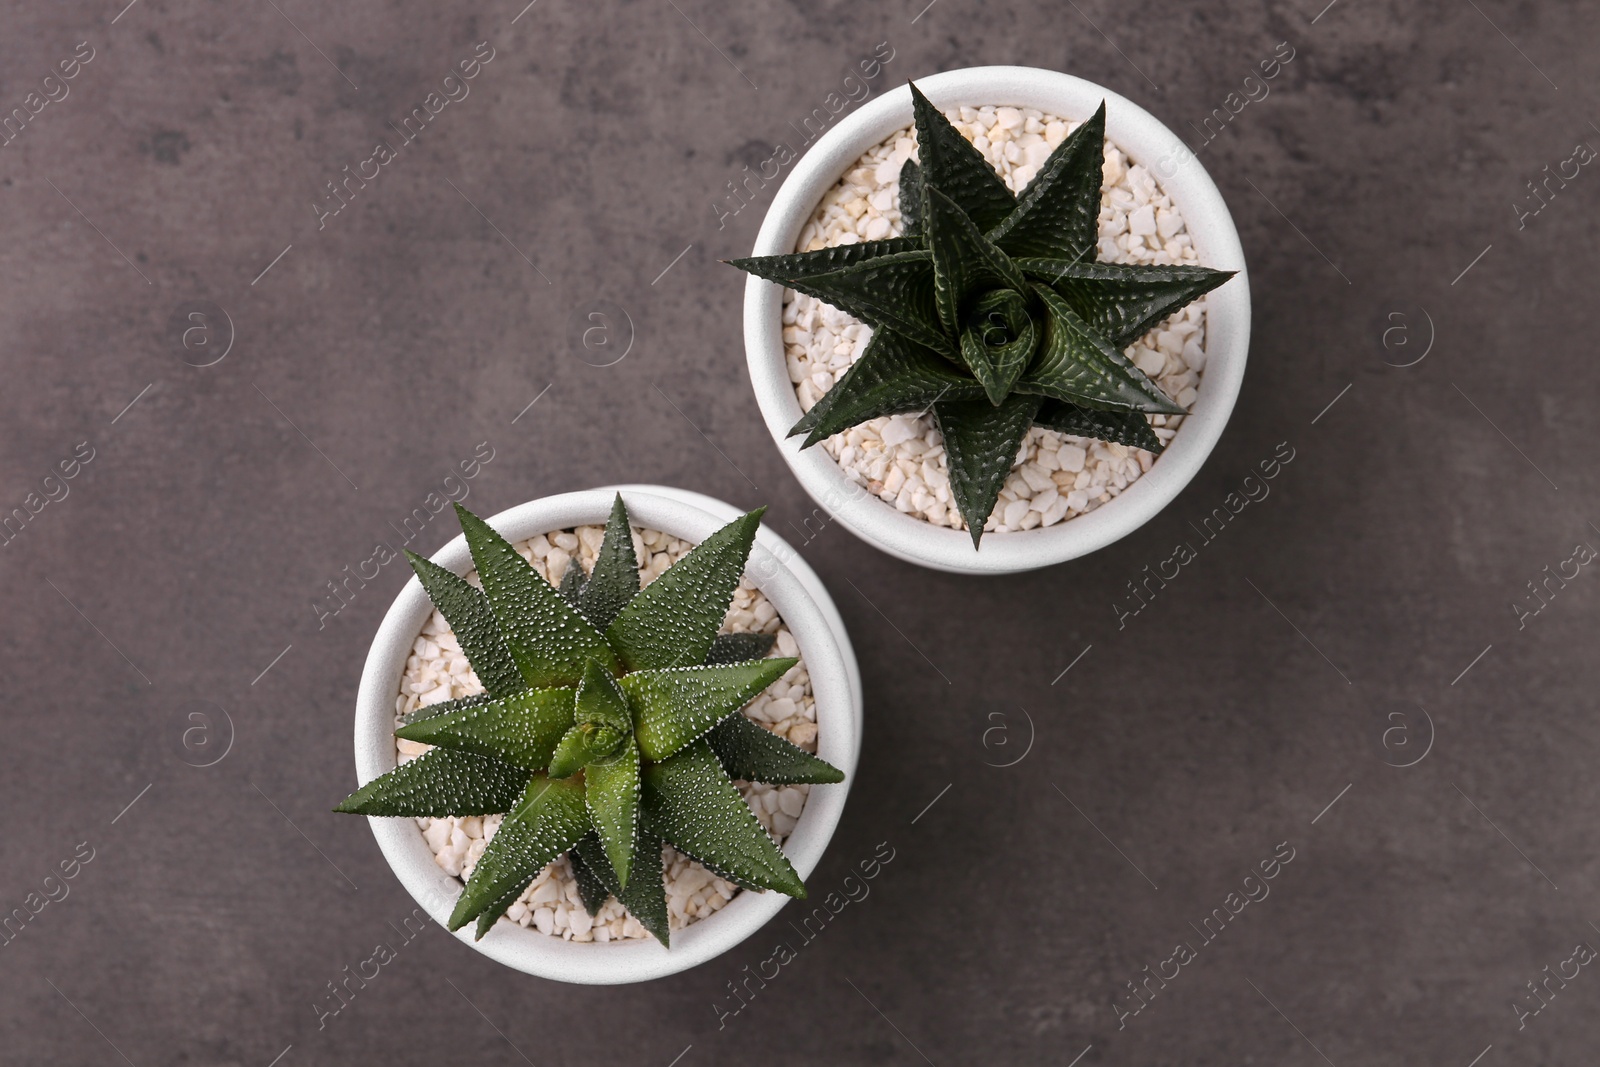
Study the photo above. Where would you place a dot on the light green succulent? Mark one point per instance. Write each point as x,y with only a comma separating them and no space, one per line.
609,724
991,310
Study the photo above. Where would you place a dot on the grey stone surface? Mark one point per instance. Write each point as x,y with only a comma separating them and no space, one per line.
1178,752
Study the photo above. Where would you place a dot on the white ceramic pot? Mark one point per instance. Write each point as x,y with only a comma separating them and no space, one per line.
1145,140
803,603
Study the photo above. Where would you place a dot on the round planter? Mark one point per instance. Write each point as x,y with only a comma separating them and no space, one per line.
1146,141
808,611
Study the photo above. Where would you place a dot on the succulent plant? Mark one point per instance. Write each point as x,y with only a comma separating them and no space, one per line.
991,310
609,724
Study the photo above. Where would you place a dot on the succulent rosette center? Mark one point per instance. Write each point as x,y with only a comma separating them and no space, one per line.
998,340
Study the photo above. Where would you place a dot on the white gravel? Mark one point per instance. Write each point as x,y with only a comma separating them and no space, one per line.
437,671
901,459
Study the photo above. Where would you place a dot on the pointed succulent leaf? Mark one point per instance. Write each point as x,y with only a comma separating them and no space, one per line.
615,578
1058,214
547,819
1121,301
965,263
910,200
675,706
736,648
601,701
749,751
611,791
689,801
521,730
646,894
591,889
432,711
998,341
548,639
786,268
582,745
1076,364
492,914
470,616
891,292
893,376
572,583
439,783
951,163
672,622
1130,428
981,441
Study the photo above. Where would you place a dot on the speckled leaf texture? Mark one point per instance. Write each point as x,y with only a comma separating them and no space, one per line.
894,292
601,700
1076,364
439,783
571,586
646,894
548,639
522,730
749,751
789,268
736,648
429,711
591,890
615,578
581,746
893,376
1058,214
673,707
965,264
611,791
1122,302
1122,427
981,440
547,819
993,295
674,620
949,162
472,620
491,915
690,802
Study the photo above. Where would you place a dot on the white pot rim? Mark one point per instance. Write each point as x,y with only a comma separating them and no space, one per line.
807,610
1144,139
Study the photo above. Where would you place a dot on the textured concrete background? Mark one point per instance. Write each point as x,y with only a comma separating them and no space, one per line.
1317,644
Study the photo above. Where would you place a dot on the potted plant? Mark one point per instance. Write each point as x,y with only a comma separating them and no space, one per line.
542,735
1037,362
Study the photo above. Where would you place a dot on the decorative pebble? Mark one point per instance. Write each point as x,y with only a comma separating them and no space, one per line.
791,802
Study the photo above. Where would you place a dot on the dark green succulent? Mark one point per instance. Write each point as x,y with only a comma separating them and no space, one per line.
992,310
609,723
